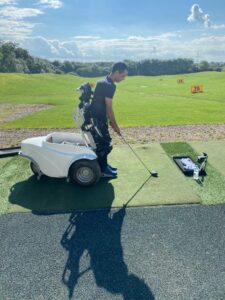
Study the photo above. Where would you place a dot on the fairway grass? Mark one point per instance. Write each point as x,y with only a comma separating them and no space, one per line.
139,100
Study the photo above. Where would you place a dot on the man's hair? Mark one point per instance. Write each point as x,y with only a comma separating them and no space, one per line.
120,67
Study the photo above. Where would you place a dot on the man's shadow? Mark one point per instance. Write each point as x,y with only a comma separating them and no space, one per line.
98,234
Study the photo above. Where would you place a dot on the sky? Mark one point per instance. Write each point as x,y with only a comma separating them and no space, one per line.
113,30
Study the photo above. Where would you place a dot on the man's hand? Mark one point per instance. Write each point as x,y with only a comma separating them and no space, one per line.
116,129
118,132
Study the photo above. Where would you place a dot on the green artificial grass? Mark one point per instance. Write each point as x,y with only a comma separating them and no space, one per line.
20,191
139,100
215,151
211,190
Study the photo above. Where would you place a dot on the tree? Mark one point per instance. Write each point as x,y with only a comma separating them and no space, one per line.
17,59
203,66
8,61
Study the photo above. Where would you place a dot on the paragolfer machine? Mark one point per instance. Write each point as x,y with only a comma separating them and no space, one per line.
66,155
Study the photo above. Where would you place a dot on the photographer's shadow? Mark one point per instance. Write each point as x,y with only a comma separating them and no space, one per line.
99,235
56,195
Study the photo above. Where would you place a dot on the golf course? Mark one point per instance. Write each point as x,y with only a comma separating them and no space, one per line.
112,150
139,101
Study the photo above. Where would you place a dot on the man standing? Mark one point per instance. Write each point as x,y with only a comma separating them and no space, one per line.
101,110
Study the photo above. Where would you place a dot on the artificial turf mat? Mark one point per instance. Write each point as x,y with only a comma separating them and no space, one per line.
215,151
20,191
211,189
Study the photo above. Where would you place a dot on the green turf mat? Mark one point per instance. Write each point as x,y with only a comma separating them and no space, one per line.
170,187
21,191
215,151
211,190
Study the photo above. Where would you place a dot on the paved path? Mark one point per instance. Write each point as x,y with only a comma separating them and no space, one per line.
175,252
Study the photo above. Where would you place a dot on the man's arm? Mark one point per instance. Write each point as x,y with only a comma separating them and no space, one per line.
111,116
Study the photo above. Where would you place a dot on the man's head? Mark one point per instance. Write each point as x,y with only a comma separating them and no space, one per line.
119,71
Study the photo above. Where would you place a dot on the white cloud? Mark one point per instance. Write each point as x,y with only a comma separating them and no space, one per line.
7,2
198,15
14,30
16,13
51,3
133,47
222,26
54,49
85,37
209,48
165,46
12,24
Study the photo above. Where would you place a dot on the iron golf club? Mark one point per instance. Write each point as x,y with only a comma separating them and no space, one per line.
153,173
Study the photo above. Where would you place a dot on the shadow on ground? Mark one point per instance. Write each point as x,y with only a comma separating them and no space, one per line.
55,195
99,236
96,234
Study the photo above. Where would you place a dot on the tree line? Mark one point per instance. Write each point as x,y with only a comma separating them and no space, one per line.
14,59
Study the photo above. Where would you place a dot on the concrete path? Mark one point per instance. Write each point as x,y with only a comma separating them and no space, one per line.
170,252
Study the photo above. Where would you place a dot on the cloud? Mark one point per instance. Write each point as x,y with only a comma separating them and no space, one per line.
16,13
12,24
164,46
133,47
93,48
7,2
51,49
86,37
12,18
51,3
209,48
14,30
222,26
198,15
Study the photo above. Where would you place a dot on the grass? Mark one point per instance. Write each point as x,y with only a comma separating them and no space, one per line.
211,190
20,191
139,100
215,151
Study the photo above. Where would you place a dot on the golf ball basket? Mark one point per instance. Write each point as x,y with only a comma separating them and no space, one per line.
188,170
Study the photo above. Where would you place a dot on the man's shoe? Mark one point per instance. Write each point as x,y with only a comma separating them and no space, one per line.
107,172
112,168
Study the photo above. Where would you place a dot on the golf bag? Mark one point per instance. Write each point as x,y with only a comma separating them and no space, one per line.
85,102
98,130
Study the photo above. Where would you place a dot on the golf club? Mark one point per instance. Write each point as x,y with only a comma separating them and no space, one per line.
153,173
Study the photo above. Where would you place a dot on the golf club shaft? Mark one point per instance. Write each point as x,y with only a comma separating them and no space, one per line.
138,157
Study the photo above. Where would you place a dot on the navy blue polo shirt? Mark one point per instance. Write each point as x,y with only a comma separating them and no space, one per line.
104,88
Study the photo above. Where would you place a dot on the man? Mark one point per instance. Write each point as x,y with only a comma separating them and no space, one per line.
101,110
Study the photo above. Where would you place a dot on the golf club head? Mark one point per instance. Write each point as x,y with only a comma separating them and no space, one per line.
154,174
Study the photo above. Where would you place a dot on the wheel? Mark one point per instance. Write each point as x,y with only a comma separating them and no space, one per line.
85,172
34,168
